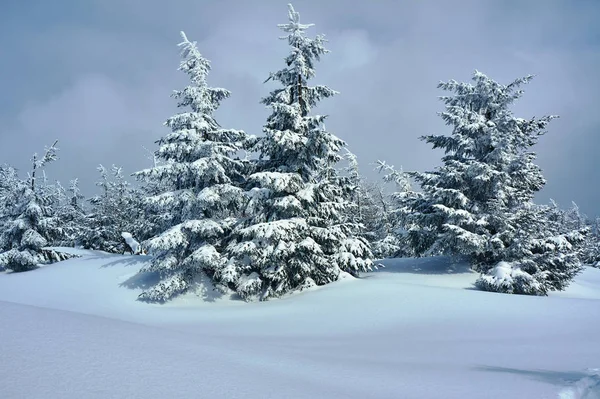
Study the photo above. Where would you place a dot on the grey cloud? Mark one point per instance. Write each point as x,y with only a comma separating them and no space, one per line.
110,74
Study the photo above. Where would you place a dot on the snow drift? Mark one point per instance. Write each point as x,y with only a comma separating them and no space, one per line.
415,329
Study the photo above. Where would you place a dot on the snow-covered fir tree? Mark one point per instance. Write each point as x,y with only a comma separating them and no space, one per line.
590,254
391,230
116,209
10,189
478,203
68,208
370,209
33,223
361,209
543,256
196,181
572,222
295,234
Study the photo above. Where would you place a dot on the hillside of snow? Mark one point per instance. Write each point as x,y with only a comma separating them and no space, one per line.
414,329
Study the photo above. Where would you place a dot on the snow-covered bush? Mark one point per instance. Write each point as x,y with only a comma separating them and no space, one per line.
510,279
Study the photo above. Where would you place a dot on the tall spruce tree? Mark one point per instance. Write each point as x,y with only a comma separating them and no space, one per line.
295,234
478,203
198,173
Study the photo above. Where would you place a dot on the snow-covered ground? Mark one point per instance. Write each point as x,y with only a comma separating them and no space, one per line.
415,329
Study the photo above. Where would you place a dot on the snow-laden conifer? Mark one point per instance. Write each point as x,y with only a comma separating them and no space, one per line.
116,209
32,223
477,202
543,254
590,254
195,179
11,188
392,238
572,223
295,234
68,207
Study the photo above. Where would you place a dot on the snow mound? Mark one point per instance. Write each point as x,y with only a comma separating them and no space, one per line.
585,388
131,243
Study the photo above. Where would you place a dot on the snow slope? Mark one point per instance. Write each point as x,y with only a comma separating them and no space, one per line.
415,329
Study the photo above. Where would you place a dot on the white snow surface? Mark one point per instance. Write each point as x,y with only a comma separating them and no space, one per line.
414,329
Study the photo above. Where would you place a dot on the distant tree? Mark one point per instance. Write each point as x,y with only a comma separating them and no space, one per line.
32,223
591,252
117,209
67,206
392,240
10,188
194,183
295,234
478,204
572,220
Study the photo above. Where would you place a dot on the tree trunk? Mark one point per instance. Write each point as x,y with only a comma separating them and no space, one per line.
33,173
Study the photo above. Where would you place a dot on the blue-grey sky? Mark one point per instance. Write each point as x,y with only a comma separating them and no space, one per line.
97,75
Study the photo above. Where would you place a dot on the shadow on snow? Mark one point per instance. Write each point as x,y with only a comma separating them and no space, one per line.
427,265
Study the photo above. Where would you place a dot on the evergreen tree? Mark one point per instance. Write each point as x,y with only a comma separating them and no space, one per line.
543,255
591,252
363,209
295,234
572,222
32,223
67,204
117,209
392,233
10,187
197,198
478,203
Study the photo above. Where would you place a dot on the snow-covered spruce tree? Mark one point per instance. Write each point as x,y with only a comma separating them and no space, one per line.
10,189
68,208
363,210
572,222
477,202
295,234
34,224
117,209
589,249
200,174
542,257
356,191
590,254
393,240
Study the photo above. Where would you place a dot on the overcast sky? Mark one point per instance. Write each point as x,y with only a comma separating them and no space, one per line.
97,75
